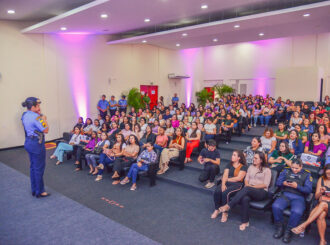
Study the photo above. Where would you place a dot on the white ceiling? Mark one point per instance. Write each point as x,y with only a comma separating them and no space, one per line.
127,15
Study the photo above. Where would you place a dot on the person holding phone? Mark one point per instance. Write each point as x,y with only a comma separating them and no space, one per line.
321,211
295,184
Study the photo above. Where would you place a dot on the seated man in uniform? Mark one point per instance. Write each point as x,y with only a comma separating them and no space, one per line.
295,184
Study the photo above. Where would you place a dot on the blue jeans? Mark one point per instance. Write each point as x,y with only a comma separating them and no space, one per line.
255,119
265,119
209,136
61,149
133,171
91,159
105,160
297,208
158,147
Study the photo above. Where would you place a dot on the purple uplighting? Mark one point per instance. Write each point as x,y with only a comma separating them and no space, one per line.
189,56
76,65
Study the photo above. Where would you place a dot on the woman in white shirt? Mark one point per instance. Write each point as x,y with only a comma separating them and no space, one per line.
210,129
65,147
268,141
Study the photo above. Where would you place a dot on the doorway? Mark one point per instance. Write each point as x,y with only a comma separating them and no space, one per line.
152,92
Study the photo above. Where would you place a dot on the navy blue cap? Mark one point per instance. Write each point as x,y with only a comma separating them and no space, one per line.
31,101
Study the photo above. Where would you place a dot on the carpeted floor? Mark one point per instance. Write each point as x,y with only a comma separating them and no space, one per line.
167,213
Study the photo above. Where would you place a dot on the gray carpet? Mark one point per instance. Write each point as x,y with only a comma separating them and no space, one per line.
53,220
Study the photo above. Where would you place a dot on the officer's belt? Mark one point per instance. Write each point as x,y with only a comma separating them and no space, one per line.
33,137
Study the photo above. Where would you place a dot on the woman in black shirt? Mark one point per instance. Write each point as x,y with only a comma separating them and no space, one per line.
232,182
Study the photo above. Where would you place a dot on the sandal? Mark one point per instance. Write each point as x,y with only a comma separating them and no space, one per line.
297,230
215,214
242,227
124,181
58,163
133,188
98,178
224,217
116,182
52,157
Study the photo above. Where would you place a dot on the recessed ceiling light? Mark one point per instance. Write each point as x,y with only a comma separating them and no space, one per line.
236,26
178,44
11,11
184,34
144,41
261,34
147,20
63,28
215,39
307,15
204,6
104,16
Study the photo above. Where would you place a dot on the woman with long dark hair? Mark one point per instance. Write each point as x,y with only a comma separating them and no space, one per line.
257,181
232,182
193,138
281,158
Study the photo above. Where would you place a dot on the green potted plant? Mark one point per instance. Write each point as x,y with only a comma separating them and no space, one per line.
134,99
203,96
223,89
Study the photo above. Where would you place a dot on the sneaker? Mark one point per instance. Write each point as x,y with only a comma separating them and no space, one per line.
209,185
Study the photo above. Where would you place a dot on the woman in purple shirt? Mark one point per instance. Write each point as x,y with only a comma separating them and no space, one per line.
315,147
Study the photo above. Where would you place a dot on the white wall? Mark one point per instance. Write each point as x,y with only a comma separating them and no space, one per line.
70,72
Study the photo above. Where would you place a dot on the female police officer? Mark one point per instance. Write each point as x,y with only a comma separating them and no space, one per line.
295,184
35,125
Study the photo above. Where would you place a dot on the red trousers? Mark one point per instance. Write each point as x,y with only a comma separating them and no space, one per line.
190,147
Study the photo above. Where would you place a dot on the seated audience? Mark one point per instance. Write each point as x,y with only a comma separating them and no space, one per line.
92,156
315,147
137,131
301,134
295,184
108,156
169,129
281,158
65,147
227,128
210,129
281,134
210,158
161,140
321,211
296,146
144,159
126,132
79,151
324,136
148,137
128,157
87,129
193,138
268,141
257,181
251,150
176,145
232,182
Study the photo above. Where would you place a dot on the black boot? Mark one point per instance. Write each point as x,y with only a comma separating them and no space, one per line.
287,236
279,230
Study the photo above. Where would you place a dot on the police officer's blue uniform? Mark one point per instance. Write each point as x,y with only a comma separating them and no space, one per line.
293,197
35,146
122,105
103,104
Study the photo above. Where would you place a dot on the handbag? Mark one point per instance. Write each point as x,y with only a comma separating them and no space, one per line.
310,160
97,150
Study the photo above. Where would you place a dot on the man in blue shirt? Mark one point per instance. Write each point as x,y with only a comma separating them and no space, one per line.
122,104
103,106
175,100
113,105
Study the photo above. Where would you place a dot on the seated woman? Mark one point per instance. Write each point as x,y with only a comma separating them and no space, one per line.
155,127
256,112
257,181
79,151
268,141
321,211
296,146
137,131
281,134
79,124
193,138
210,129
144,159
295,184
295,119
143,124
87,129
324,136
129,156
94,155
96,126
266,114
108,155
161,140
126,132
232,182
251,150
301,134
177,144
169,131
281,158
315,147
64,147
227,127
210,158
148,137
175,121
306,127
107,120
104,128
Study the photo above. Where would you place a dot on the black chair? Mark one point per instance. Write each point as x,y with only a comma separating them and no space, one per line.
152,170
179,161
